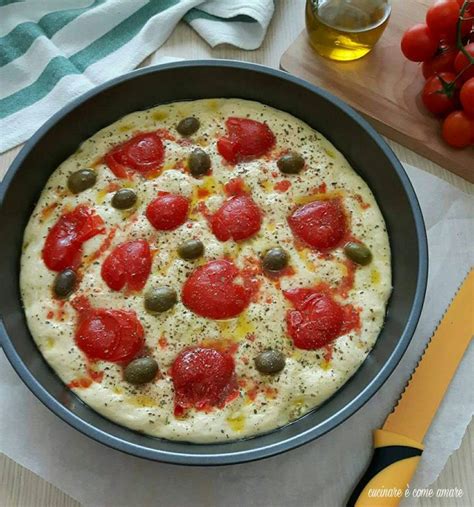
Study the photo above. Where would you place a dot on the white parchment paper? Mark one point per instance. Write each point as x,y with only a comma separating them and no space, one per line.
319,473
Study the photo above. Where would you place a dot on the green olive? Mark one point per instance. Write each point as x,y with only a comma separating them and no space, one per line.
64,283
188,126
141,370
275,259
291,163
124,198
81,180
270,361
160,299
191,249
358,252
199,162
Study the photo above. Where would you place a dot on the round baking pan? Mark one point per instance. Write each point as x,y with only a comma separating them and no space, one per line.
366,151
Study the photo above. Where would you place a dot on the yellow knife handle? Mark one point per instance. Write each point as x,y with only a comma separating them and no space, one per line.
393,464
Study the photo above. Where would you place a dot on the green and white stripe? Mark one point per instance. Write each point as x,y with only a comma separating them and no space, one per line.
52,51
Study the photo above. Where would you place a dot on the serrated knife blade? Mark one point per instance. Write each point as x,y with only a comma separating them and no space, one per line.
425,390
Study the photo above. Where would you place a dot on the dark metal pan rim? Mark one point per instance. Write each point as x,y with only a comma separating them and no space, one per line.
256,451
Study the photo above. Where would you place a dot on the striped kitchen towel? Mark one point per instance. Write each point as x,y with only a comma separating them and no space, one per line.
52,51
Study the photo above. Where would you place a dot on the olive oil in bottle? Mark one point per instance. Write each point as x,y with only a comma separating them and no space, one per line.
345,29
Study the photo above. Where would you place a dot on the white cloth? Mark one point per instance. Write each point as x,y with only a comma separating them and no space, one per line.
54,50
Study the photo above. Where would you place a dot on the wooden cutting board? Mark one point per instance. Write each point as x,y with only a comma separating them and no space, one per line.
385,88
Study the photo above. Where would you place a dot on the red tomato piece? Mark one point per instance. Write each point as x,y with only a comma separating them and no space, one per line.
467,97
282,186
143,153
167,211
128,264
238,218
461,62
441,62
246,139
458,129
316,321
320,224
111,335
202,378
62,248
235,186
211,291
419,43
439,98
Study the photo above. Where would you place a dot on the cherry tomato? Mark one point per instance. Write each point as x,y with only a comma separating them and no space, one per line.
202,378
111,335
62,248
320,224
238,218
467,97
211,291
461,62
246,139
142,153
441,62
434,96
442,19
458,129
128,264
167,211
419,43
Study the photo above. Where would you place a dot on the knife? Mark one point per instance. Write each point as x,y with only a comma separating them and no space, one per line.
397,446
